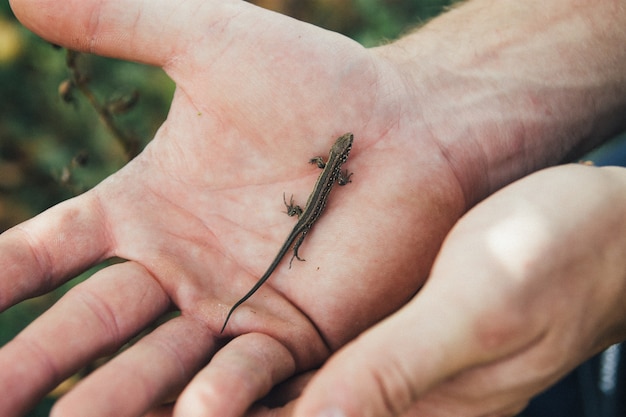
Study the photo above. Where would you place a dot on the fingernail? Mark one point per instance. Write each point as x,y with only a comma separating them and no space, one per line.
331,412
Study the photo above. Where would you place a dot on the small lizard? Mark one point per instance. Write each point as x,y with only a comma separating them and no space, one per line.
331,173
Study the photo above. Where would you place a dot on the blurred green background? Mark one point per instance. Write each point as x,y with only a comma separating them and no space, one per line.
53,145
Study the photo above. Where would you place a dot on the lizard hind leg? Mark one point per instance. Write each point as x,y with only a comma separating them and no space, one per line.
296,247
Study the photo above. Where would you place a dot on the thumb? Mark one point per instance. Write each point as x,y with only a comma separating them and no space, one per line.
148,32
384,371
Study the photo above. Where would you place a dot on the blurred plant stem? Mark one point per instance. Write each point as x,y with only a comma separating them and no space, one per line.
106,111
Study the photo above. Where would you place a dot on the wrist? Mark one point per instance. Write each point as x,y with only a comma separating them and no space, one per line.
531,86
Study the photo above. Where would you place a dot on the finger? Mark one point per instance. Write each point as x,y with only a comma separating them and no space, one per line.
388,368
373,376
146,374
242,372
150,32
93,319
502,387
34,255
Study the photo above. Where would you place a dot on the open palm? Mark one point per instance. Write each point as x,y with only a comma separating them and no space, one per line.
199,214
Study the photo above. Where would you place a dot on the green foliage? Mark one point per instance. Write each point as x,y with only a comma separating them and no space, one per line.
51,149
385,20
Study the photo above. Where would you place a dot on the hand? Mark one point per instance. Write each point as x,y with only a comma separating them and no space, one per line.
527,285
198,215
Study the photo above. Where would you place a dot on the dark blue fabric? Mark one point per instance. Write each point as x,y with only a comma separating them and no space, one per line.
580,393
562,400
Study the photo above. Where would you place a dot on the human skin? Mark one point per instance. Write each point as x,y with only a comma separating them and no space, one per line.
442,118
527,285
